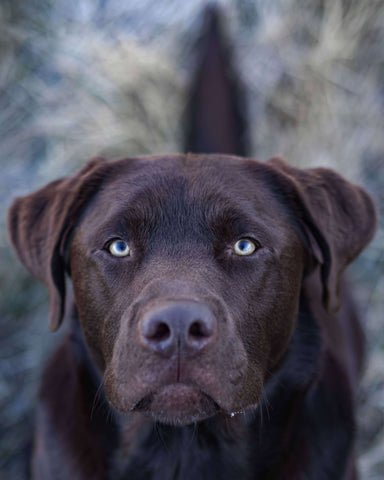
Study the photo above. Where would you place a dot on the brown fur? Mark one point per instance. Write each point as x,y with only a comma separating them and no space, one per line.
181,216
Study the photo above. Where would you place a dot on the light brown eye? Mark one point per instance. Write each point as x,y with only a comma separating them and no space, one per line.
119,248
244,246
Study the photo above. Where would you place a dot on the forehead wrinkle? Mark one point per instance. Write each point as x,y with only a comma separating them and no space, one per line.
173,203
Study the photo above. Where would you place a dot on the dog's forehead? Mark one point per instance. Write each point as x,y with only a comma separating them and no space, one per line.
186,195
205,180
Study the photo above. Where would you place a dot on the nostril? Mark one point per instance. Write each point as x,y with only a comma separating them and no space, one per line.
161,332
156,333
197,330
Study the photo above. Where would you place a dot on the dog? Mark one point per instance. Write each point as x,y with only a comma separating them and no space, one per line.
210,332
204,288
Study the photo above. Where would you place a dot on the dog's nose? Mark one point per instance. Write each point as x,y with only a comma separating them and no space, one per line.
186,326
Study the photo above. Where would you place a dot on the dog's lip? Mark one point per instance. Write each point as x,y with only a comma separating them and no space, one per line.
177,403
178,390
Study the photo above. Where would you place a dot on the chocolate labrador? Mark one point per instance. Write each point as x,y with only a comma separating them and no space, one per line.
203,342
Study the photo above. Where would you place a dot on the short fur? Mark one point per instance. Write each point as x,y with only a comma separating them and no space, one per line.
112,404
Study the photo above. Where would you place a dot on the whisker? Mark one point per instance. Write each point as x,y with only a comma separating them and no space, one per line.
96,399
158,429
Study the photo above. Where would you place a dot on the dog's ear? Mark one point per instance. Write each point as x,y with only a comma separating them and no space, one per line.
40,224
337,218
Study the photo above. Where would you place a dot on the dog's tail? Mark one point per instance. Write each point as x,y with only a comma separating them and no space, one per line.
215,117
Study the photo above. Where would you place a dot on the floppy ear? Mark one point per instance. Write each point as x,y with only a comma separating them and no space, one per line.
39,226
337,217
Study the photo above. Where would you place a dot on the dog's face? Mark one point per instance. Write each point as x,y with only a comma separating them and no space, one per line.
186,272
187,279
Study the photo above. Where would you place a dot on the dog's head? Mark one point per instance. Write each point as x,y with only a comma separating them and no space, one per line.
187,270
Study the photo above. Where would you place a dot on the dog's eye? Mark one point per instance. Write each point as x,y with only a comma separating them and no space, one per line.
244,246
119,248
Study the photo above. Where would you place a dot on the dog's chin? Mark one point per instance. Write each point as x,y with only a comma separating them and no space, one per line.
177,404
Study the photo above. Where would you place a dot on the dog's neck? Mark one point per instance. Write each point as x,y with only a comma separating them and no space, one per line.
214,448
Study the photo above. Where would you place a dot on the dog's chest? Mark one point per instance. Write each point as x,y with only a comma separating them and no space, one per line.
152,451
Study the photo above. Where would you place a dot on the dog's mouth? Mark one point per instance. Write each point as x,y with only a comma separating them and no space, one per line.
177,404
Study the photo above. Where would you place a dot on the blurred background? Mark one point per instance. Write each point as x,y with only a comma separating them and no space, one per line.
86,77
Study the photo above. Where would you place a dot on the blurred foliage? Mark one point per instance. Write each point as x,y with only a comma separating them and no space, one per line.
79,78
